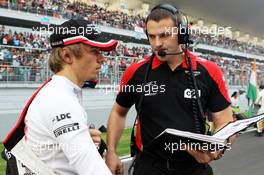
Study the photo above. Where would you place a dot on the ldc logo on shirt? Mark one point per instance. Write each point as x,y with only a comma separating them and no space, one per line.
61,117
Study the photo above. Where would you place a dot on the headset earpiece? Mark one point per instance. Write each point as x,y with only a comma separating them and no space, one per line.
146,32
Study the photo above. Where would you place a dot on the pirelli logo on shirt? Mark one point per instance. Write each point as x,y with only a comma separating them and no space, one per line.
66,128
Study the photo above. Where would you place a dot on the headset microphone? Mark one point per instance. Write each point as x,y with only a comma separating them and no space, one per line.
163,53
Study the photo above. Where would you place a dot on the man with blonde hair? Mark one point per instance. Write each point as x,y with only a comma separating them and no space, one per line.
54,123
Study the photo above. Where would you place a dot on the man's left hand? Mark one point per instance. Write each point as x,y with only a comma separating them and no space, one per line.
204,157
96,136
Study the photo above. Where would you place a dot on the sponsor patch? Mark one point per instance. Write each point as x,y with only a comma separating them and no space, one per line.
190,93
66,128
61,117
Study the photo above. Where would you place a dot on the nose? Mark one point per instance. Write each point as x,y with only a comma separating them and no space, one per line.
158,42
100,58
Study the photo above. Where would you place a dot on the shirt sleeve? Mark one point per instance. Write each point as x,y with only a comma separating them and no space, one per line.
218,98
126,94
68,125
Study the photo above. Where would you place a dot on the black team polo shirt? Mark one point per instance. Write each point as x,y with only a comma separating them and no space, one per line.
167,94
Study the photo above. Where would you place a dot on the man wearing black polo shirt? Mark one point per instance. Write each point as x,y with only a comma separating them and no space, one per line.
167,102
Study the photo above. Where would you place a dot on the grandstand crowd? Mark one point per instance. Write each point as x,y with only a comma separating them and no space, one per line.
227,43
77,10
116,19
23,55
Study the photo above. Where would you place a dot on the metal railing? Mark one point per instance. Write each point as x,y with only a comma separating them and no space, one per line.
23,74
113,76
38,75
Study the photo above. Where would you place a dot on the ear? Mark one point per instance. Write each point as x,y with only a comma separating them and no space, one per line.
66,55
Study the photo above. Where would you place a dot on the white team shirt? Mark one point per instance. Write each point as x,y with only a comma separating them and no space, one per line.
260,101
57,132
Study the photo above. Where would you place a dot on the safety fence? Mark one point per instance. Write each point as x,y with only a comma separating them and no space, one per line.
108,76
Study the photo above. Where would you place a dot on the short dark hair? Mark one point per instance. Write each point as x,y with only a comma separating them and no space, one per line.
159,14
234,94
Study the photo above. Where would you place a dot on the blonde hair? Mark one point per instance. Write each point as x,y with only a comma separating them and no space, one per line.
56,62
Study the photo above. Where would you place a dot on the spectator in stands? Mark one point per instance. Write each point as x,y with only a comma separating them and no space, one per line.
81,10
235,105
235,102
32,43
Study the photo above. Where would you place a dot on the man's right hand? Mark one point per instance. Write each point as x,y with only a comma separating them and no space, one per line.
114,164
